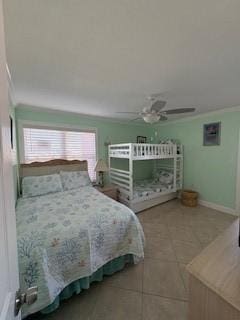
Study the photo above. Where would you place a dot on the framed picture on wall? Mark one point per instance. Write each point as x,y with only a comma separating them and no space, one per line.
141,139
211,134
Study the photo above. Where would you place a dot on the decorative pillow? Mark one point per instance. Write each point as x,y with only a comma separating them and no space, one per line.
165,177
39,185
74,179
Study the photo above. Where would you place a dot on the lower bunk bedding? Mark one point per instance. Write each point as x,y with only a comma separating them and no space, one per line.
163,182
69,239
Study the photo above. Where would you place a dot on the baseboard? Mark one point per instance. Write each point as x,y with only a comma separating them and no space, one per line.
218,207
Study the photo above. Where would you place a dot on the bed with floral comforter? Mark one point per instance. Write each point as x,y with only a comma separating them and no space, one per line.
69,235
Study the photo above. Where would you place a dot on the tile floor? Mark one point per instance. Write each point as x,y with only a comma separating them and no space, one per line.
157,288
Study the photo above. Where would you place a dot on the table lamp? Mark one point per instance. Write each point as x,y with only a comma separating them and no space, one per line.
101,167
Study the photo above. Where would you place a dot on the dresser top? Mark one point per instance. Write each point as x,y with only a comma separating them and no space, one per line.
218,266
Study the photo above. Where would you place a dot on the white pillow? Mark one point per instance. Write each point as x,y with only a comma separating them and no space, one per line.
74,179
39,185
165,177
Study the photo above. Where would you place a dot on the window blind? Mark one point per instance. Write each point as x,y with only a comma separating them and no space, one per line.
45,144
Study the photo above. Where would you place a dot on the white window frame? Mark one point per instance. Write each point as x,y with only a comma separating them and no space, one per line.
50,126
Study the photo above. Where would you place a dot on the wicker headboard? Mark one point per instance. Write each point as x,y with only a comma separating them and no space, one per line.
51,166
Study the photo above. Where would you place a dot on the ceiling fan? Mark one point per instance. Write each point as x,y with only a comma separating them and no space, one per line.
154,113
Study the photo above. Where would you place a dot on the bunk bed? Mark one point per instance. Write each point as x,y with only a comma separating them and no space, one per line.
167,173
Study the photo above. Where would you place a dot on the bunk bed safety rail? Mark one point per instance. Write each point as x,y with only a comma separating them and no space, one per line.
142,150
119,150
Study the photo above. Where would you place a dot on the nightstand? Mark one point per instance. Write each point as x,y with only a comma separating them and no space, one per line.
109,190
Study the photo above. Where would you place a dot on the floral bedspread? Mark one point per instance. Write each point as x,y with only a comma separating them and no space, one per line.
68,235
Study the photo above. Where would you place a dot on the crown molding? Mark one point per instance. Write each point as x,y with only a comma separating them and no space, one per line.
201,115
26,107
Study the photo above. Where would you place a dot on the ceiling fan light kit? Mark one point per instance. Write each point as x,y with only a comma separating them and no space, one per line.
151,118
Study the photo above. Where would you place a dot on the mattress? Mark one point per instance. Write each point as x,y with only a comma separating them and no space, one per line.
65,236
145,188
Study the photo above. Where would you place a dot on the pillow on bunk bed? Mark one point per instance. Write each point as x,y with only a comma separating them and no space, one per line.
74,179
33,186
165,177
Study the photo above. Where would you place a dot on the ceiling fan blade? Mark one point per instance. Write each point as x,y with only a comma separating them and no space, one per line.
163,118
158,105
180,110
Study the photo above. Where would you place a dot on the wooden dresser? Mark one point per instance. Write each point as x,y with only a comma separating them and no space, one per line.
214,282
109,190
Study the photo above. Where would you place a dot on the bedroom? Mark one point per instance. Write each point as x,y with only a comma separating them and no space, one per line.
73,69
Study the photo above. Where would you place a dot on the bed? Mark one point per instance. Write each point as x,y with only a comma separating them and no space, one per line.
142,195
70,238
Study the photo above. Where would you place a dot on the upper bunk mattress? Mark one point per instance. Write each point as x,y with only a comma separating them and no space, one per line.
69,235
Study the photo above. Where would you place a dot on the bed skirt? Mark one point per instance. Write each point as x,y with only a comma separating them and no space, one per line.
84,283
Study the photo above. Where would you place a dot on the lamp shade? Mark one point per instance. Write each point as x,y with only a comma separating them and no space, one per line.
101,166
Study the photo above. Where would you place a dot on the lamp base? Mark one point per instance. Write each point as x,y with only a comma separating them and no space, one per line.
101,179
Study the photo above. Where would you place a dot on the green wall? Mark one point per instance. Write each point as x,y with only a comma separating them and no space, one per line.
116,132
209,170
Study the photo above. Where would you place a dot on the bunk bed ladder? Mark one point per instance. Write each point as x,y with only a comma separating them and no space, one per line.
175,173
131,171
179,164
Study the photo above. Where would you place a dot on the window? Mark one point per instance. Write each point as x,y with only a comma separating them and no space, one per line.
42,144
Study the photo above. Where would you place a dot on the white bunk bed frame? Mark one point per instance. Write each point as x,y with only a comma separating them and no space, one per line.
123,179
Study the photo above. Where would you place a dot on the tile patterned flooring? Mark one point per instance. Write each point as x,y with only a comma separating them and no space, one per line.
157,288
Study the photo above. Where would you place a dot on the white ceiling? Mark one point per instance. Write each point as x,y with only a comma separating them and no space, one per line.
100,57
